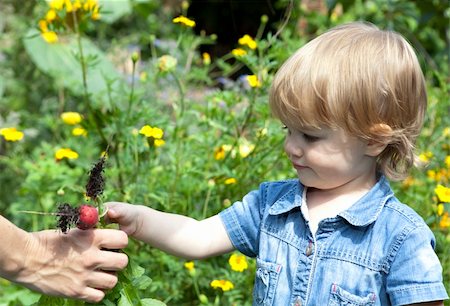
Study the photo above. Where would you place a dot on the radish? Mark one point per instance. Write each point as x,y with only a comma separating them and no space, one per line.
88,217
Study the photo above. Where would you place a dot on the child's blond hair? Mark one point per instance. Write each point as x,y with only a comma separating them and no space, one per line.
359,78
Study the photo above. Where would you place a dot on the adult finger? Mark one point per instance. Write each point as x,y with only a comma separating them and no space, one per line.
102,280
91,295
112,261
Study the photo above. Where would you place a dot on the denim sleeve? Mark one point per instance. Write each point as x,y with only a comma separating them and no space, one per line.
415,273
242,220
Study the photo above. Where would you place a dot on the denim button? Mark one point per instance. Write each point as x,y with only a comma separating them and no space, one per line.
309,249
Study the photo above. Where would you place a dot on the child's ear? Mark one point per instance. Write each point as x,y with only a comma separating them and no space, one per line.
374,148
383,134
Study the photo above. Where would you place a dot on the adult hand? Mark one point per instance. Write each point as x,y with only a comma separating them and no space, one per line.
75,265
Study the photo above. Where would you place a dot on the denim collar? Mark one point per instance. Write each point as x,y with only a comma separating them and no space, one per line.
364,212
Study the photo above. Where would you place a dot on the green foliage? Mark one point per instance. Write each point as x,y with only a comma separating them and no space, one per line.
135,68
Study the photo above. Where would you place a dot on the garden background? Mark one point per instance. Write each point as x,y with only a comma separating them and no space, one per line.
178,91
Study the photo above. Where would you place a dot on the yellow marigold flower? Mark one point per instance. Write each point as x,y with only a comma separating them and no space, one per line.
446,132
43,25
159,142
79,131
238,52
50,37
96,14
253,81
223,284
431,174
440,209
50,16
408,182
447,161
167,63
189,265
149,131
219,153
69,6
238,262
66,153
425,157
206,58
90,5
184,20
245,149
71,118
443,193
445,221
248,41
11,134
230,181
56,4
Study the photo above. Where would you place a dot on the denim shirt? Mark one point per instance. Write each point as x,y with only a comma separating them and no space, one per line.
377,252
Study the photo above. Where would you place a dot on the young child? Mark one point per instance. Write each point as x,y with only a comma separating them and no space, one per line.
352,101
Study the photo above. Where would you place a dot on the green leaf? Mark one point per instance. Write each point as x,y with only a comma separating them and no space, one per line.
61,61
151,302
112,10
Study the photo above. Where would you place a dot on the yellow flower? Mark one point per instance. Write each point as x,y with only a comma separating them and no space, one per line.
253,81
230,181
159,142
167,63
95,13
149,131
79,131
11,134
56,4
223,284
245,149
219,153
66,153
425,157
408,182
238,52
447,161
443,193
43,25
71,118
206,58
50,37
189,265
440,209
50,16
238,262
445,221
69,6
248,41
446,132
184,20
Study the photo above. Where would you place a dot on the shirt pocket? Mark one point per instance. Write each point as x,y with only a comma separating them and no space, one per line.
341,297
266,281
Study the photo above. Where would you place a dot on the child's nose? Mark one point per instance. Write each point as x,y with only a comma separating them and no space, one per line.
292,148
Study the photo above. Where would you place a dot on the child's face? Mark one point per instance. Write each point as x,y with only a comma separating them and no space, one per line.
330,158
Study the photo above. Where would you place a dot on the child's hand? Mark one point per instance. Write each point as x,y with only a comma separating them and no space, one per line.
126,215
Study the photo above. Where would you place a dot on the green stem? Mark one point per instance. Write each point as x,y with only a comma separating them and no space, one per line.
84,78
130,99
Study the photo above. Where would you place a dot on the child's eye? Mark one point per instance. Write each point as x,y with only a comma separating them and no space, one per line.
310,138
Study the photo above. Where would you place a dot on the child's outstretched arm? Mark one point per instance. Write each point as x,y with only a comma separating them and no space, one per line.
175,234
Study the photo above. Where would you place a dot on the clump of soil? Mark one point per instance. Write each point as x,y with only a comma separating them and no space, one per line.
96,181
66,217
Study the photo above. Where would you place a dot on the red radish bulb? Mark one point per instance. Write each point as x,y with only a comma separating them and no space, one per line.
88,217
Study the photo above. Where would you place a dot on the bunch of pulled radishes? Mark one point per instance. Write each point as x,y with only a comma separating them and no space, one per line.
85,216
